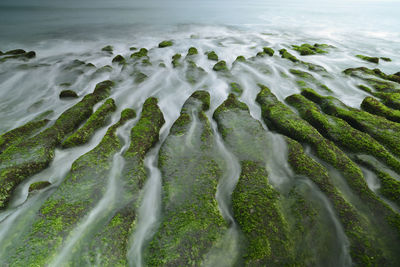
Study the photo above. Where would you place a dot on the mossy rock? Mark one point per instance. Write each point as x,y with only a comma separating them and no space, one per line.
118,59
15,52
387,59
176,60
141,53
373,106
95,121
307,49
34,154
255,202
108,48
281,118
340,132
285,54
192,223
68,94
192,51
269,51
21,133
236,88
381,129
212,56
38,186
220,66
165,44
369,59
77,195
240,59
362,249
132,48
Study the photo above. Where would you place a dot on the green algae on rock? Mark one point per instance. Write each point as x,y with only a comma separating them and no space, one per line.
285,54
95,121
269,51
22,56
176,60
165,44
75,197
192,223
389,186
212,56
281,118
340,132
38,186
108,48
387,59
362,247
220,66
373,106
254,200
68,94
192,51
381,129
307,49
112,239
119,59
194,73
32,155
236,88
21,133
141,53
369,59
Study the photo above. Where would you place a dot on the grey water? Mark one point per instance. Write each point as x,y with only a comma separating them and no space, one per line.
62,31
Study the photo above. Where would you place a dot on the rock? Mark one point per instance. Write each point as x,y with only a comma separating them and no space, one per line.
369,59
212,56
165,44
38,186
118,59
220,66
108,48
68,94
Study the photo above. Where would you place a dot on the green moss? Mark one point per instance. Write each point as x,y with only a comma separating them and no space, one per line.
71,201
15,52
240,59
236,88
386,59
22,56
220,66
191,224
118,59
308,77
389,99
32,155
68,94
362,249
108,48
254,200
193,72
132,48
384,83
369,59
165,44
307,49
212,56
112,240
21,133
140,77
192,51
176,60
38,186
381,129
281,118
373,106
340,132
389,186
141,53
285,54
269,51
95,121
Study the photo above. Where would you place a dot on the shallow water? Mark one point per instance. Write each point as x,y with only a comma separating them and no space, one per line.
62,31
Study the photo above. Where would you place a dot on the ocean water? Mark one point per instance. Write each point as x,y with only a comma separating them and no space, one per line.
63,31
